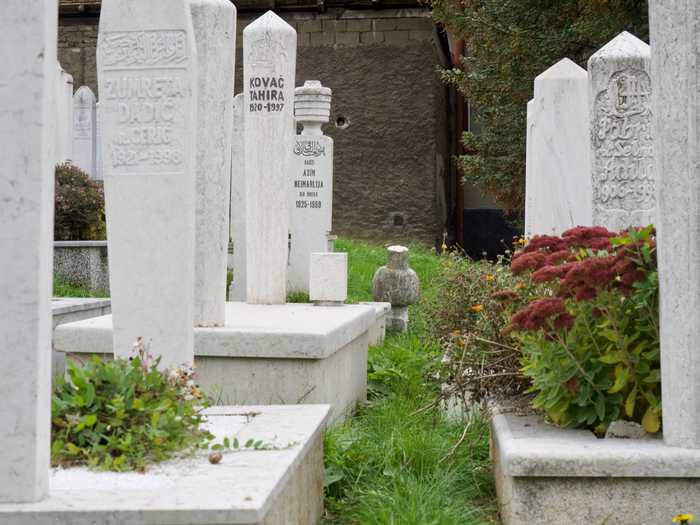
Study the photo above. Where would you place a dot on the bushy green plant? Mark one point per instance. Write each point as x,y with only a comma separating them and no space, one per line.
123,414
590,344
79,212
507,44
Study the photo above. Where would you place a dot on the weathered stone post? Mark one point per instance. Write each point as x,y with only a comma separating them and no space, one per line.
558,151
675,37
214,23
84,130
269,54
310,183
622,156
147,72
27,118
398,284
238,204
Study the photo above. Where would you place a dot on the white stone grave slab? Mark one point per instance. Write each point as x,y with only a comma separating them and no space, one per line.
147,71
310,183
558,152
676,37
264,487
328,277
622,157
84,130
238,201
214,23
529,173
306,353
269,55
28,33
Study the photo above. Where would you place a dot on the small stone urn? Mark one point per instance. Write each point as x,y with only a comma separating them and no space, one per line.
397,284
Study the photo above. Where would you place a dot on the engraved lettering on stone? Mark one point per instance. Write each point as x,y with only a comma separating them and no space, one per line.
309,148
145,89
144,49
623,178
82,118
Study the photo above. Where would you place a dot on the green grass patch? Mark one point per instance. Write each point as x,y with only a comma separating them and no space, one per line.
63,289
396,462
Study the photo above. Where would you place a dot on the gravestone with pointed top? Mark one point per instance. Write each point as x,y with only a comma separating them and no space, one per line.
237,291
84,130
558,181
269,55
311,182
214,23
622,157
676,38
28,33
147,72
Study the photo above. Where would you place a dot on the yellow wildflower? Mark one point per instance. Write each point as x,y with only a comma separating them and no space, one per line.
477,308
489,277
683,518
519,286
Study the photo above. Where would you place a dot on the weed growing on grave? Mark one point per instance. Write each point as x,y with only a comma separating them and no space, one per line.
124,414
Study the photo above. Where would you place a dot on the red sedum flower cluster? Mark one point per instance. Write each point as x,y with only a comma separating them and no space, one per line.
580,264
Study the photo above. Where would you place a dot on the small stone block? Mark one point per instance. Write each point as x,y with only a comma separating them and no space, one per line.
328,277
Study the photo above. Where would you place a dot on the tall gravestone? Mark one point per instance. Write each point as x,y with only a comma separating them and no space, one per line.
98,144
558,152
84,130
529,173
214,23
675,35
63,105
147,72
269,54
311,183
622,155
28,33
238,201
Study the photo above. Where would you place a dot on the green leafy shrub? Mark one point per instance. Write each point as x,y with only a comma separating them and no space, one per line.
123,414
79,213
507,45
590,342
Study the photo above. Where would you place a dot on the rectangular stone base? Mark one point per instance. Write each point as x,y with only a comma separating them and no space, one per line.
266,354
378,331
549,476
267,487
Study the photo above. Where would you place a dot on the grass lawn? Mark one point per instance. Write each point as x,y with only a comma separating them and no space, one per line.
389,464
61,289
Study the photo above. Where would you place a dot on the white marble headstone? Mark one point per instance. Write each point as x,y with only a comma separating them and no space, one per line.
147,72
622,157
328,277
310,183
63,114
214,23
675,35
28,79
238,202
84,130
269,55
558,181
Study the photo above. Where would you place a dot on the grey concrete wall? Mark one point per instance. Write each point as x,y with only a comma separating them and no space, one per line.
392,157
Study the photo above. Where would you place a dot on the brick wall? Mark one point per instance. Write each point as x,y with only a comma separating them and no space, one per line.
391,156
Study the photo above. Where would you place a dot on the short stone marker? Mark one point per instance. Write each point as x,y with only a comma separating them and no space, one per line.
269,55
622,158
328,278
559,197
311,183
147,72
676,37
84,130
397,284
214,23
28,33
238,204
64,116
